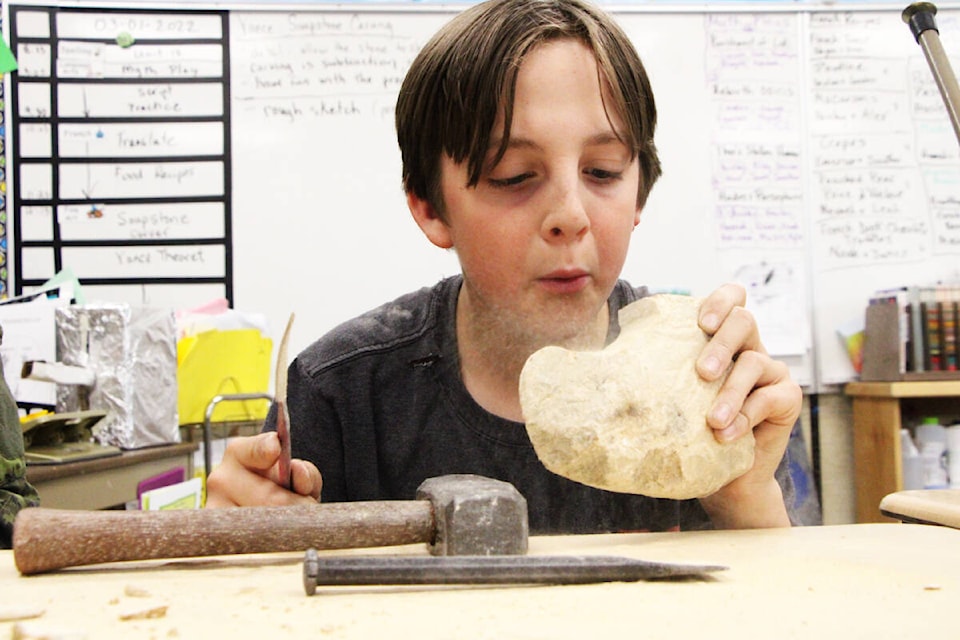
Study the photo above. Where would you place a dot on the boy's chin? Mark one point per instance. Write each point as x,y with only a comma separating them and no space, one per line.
577,331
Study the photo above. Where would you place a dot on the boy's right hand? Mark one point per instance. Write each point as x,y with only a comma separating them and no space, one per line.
248,476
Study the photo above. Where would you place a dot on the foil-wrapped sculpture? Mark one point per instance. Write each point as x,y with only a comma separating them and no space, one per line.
133,353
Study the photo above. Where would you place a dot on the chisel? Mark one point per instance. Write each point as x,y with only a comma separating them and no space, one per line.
419,570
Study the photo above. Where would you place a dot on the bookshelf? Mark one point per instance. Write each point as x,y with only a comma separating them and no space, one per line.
880,410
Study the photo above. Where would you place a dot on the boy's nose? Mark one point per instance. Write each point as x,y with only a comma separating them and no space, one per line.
566,217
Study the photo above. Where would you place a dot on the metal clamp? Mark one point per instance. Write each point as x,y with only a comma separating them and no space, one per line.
227,397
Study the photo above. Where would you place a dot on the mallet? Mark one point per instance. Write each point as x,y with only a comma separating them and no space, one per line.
454,515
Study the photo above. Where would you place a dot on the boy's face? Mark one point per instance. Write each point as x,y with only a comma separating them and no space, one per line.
543,236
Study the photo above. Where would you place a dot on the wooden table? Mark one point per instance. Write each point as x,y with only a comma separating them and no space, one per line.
851,581
925,506
106,482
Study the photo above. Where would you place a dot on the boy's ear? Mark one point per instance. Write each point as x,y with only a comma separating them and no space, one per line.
429,222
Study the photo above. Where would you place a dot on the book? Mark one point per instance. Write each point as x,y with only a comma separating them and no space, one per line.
930,308
881,342
948,333
898,299
917,344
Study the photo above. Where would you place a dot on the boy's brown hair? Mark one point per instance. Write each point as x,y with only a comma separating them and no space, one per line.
467,72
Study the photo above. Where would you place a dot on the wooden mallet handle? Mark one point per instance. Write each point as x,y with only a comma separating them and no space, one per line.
49,539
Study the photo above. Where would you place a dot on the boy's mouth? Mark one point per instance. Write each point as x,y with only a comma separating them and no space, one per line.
565,281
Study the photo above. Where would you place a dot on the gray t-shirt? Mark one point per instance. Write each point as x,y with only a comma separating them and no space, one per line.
378,405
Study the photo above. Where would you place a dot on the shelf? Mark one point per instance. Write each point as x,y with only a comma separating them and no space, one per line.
904,389
879,410
106,482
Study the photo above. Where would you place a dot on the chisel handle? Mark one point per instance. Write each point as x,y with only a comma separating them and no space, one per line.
48,539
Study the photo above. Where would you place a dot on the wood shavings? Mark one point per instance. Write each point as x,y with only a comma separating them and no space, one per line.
143,611
34,630
13,611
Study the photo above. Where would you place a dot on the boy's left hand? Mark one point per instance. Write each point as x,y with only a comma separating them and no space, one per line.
759,395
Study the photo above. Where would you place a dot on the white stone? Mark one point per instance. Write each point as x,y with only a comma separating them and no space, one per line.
631,418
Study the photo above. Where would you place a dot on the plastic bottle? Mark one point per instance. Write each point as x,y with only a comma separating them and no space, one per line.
910,461
932,442
953,455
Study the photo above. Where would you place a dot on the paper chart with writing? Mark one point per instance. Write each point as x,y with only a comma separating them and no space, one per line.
122,150
885,168
752,61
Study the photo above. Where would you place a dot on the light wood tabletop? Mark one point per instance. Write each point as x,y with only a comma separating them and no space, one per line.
926,506
853,581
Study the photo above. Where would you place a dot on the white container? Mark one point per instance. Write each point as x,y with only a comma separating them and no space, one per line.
910,462
953,455
932,442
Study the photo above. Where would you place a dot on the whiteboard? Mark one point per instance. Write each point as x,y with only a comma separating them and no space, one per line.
806,154
317,166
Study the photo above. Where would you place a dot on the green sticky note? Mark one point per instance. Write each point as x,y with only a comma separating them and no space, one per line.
7,62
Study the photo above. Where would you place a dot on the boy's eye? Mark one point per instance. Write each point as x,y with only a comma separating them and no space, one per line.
512,181
603,174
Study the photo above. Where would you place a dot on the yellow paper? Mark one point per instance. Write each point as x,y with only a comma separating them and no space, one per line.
182,495
216,363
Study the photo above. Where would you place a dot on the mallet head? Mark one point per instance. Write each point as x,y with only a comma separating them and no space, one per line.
476,516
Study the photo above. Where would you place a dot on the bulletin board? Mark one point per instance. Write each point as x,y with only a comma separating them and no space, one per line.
168,155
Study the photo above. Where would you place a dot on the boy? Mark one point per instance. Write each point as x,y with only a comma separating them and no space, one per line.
526,133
